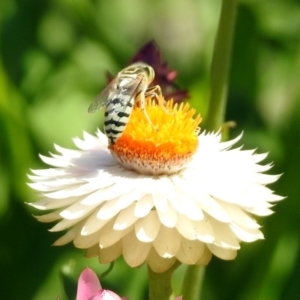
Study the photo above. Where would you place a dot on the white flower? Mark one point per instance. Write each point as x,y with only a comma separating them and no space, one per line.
204,208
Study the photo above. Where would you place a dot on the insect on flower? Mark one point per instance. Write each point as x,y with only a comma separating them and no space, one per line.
130,86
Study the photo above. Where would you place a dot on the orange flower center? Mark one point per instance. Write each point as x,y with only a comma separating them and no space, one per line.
162,146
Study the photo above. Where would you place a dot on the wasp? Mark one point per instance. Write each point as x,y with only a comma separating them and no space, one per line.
119,96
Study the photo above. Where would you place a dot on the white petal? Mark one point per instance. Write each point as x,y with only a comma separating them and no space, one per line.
108,193
194,210
167,242
160,202
177,201
68,236
64,224
47,218
108,236
226,254
95,198
205,258
48,203
185,227
247,235
147,228
67,152
184,203
108,210
38,186
91,140
102,138
207,203
134,252
190,251
127,199
48,173
168,218
125,218
93,224
275,198
76,211
227,144
92,251
238,216
143,206
85,242
159,264
110,254
80,189
224,237
195,230
56,161
261,210
204,231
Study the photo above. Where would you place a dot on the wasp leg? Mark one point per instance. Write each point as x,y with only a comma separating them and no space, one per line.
141,99
156,93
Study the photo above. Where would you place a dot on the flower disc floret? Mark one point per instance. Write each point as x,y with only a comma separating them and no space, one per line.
162,146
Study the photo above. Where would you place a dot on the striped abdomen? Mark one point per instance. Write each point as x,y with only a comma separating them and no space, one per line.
115,121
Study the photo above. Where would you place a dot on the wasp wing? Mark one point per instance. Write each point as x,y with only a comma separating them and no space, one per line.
117,97
103,98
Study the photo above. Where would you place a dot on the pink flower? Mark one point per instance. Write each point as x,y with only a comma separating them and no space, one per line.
89,288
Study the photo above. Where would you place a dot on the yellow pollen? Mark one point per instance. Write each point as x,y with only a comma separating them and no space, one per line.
163,146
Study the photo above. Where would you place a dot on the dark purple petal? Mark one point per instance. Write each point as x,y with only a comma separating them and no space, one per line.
164,77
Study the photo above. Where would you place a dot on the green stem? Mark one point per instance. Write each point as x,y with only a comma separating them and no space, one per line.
220,65
160,287
192,284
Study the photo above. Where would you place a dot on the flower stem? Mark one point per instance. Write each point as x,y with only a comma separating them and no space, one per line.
220,65
192,284
160,284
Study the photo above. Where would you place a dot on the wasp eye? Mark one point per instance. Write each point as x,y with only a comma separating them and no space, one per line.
149,71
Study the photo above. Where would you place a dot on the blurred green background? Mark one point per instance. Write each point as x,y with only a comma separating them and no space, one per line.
54,55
